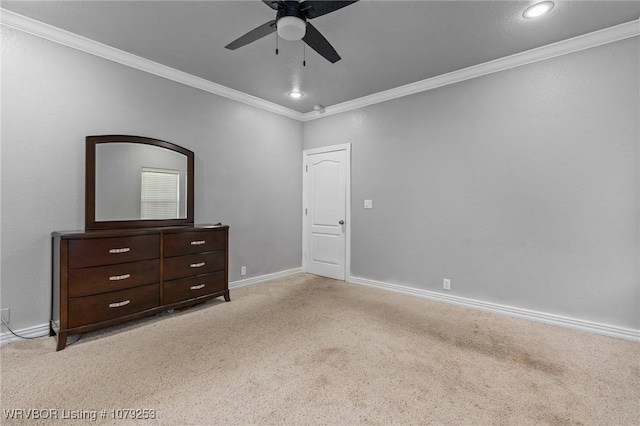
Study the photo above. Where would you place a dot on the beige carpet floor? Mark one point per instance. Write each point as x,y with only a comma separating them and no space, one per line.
308,350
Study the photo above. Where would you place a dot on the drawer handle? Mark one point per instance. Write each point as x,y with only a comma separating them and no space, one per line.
119,277
197,265
197,287
119,250
198,242
119,304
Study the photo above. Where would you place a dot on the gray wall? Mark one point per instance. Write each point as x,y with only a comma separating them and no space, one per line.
522,186
54,96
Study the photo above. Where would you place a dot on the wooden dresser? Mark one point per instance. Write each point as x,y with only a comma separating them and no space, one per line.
102,278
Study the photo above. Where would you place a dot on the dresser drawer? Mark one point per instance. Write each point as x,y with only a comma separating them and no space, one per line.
194,242
107,251
194,264
101,307
190,288
102,279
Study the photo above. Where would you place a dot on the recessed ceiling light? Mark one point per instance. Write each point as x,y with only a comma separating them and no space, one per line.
295,94
538,9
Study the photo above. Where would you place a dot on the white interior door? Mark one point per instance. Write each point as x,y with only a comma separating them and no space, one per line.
326,207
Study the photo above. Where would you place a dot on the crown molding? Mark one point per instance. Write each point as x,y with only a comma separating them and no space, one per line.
575,44
75,41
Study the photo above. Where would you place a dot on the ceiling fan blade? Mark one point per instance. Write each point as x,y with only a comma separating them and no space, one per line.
273,4
317,42
314,8
253,35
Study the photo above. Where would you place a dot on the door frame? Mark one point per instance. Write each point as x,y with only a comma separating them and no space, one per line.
305,196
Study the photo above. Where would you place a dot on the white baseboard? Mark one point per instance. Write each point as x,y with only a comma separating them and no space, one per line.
35,331
262,278
593,327
43,329
557,320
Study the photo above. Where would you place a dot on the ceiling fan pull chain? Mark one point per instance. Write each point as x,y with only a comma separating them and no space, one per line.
304,55
277,43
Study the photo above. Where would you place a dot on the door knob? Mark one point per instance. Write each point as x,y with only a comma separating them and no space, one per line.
341,222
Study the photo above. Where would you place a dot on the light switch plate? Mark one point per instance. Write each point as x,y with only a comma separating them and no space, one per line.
368,204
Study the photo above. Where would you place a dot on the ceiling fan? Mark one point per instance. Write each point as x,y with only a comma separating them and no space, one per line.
291,24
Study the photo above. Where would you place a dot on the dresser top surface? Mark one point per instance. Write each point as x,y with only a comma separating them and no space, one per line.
136,231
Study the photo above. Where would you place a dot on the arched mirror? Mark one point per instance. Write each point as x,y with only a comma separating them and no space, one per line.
133,181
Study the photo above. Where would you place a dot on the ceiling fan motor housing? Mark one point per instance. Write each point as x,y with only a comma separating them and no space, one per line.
290,8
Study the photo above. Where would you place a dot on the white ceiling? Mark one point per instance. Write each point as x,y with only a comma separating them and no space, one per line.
383,44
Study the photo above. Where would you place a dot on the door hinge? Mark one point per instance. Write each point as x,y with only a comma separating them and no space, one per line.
306,168
305,212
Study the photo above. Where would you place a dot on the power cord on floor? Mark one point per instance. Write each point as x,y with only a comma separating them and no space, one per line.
17,335
75,341
35,337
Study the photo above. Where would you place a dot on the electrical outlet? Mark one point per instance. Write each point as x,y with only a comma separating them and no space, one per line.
243,271
6,315
446,284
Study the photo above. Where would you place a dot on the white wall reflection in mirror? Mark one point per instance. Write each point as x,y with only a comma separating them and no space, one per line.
119,185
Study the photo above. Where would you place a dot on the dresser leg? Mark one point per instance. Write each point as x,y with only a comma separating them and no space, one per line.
62,340
226,296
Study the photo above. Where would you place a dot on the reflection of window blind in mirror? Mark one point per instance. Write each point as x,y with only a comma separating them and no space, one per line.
160,193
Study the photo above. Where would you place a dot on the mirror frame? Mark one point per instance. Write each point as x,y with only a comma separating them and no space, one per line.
90,186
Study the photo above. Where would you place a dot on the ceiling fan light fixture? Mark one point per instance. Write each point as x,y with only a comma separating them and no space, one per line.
291,28
538,9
